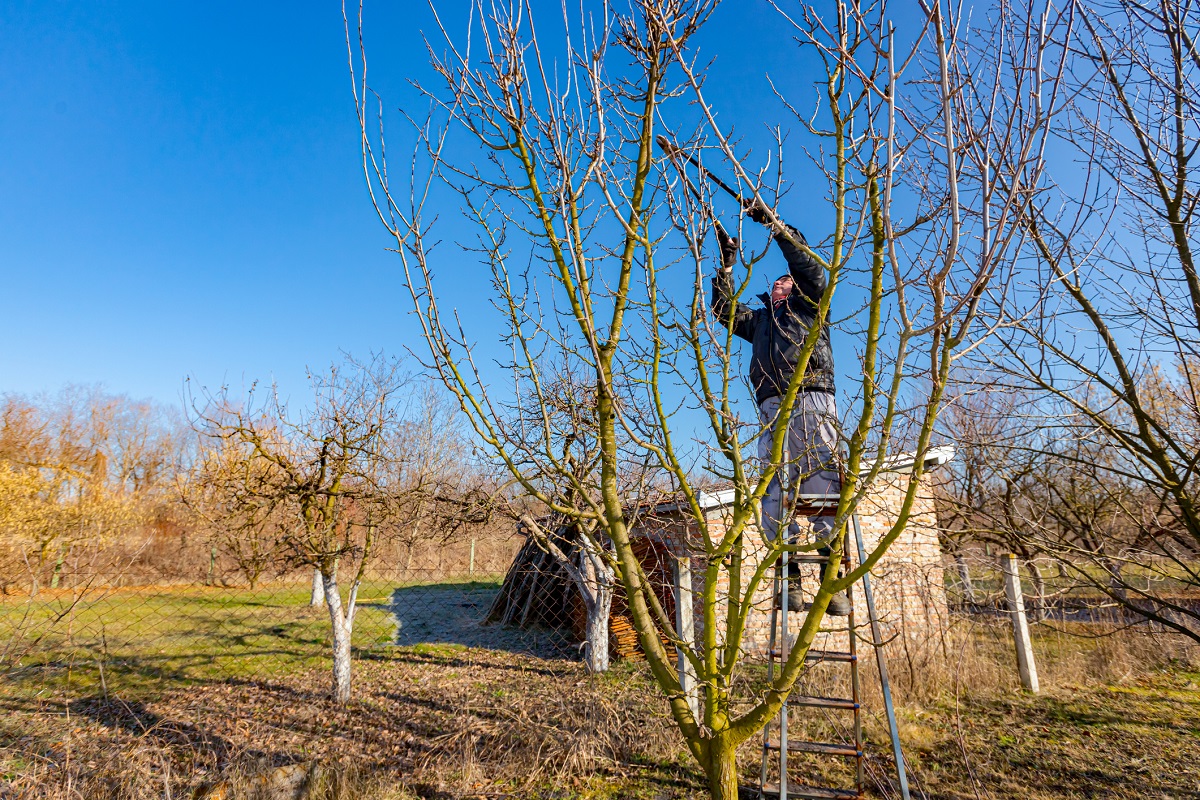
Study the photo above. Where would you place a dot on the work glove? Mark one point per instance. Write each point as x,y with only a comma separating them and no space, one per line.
756,210
729,248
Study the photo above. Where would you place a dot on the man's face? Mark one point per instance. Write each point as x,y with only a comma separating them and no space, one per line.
781,289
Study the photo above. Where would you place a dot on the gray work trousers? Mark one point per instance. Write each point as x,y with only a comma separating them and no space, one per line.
809,450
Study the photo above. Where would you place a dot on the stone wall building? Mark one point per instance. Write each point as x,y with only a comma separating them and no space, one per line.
908,581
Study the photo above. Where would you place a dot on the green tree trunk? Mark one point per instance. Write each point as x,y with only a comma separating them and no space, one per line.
721,769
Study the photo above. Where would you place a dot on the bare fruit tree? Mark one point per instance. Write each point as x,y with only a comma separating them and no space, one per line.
239,521
1105,330
989,493
595,252
320,474
443,483
565,408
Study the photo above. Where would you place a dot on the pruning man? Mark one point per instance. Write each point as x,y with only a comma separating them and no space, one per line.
776,333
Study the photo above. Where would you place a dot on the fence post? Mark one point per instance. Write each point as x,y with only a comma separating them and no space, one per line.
471,568
1016,609
964,578
685,626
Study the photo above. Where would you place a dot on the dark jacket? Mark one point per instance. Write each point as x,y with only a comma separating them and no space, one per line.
777,334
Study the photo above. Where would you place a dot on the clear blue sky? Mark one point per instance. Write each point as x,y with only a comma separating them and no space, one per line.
180,192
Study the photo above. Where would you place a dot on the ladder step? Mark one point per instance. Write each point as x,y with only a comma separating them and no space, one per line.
823,748
822,655
822,702
807,558
812,792
795,700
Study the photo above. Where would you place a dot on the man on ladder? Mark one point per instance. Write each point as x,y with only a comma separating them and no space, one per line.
777,333
810,478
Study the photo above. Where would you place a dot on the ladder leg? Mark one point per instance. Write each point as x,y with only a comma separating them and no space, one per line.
784,650
877,641
782,530
855,686
771,643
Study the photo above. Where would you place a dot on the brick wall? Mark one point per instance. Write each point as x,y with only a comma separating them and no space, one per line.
908,582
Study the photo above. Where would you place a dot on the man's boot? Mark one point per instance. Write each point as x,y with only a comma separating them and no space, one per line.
839,604
794,602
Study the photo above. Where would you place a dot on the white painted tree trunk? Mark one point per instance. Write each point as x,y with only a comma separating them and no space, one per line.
596,656
342,621
317,596
596,586
594,579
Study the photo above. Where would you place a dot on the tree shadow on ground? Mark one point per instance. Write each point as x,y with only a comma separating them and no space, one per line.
454,614
132,716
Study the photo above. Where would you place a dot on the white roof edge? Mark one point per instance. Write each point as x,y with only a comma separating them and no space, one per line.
934,457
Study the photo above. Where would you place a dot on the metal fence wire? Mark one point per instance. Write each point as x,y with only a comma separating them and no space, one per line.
147,619
171,610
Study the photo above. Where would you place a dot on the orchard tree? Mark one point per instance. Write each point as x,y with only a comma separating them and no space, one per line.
931,142
319,474
239,521
1104,324
442,487
82,469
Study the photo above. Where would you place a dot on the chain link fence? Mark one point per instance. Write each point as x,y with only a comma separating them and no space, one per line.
166,611
107,631
137,611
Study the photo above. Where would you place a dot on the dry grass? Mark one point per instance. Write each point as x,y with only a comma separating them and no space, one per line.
1119,716
448,719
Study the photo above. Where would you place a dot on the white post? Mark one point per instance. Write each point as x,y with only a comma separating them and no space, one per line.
685,625
471,568
1016,609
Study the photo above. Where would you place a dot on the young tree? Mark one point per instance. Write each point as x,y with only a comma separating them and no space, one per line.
442,486
321,473
239,521
43,515
984,498
1108,325
595,253
567,408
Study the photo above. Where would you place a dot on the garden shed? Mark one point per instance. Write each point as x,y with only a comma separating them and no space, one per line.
908,582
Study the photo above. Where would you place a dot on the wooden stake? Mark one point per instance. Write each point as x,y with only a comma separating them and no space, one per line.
685,622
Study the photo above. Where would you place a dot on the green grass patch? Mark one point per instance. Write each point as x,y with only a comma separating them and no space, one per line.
157,638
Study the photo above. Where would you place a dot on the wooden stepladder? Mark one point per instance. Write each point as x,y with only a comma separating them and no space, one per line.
777,743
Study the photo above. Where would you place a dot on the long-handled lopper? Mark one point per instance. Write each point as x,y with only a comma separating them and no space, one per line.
674,152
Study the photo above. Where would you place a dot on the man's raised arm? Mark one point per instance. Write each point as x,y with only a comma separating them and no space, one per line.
808,276
739,315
